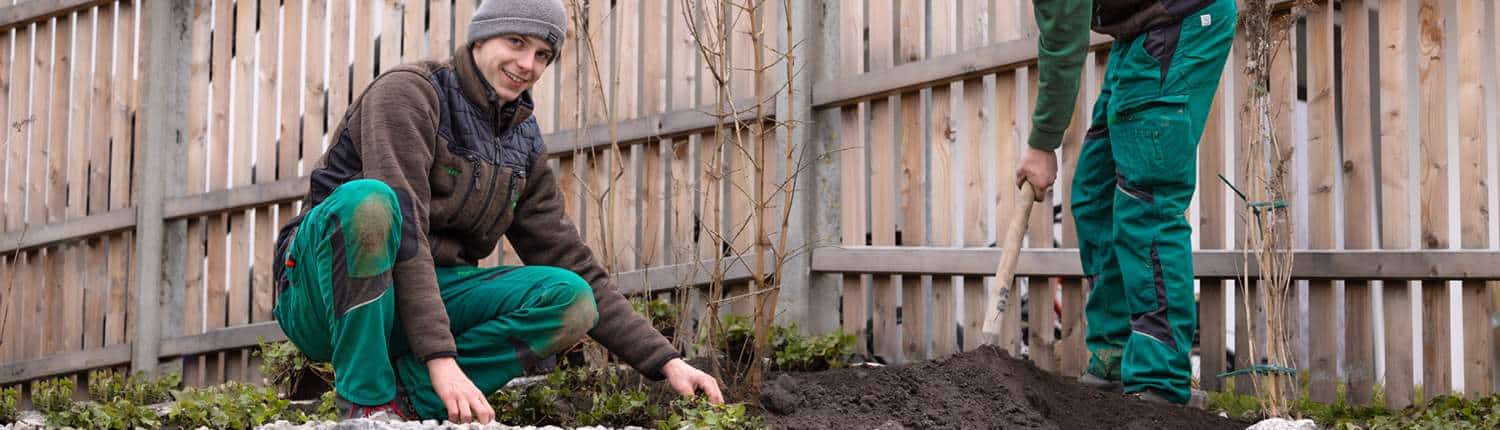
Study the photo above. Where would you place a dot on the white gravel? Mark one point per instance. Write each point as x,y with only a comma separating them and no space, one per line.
1284,424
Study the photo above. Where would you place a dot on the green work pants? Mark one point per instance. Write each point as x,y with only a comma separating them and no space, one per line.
1134,181
339,306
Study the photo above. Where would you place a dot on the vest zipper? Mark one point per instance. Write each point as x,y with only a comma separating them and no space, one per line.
511,198
484,210
473,183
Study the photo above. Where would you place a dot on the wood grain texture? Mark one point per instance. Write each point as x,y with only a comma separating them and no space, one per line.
1358,168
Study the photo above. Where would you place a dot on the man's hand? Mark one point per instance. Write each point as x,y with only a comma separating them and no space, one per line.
687,380
459,395
1038,168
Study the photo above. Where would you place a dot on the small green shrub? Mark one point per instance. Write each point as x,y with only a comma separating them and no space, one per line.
284,366
52,395
699,413
231,405
8,399
795,352
108,385
118,414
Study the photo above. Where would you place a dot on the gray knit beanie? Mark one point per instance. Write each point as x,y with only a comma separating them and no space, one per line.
543,19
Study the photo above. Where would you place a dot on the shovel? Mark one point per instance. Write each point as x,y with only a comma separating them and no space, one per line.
1005,274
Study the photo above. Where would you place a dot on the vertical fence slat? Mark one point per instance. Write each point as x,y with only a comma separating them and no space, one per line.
1243,293
912,183
365,12
852,198
598,39
1473,173
199,116
218,178
9,262
1285,82
944,146
1358,169
76,182
1212,219
881,131
7,160
972,216
241,174
1395,104
266,145
289,144
1321,147
20,86
413,32
50,138
37,127
289,84
340,20
315,90
1437,370
440,33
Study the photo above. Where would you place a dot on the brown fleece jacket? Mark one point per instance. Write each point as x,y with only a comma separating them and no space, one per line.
468,170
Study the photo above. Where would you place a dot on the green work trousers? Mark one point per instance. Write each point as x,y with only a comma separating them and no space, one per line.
1135,178
339,306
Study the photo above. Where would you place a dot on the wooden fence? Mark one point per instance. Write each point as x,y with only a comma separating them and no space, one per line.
908,116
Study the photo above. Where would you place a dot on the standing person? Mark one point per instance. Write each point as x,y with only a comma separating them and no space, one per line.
432,165
1135,175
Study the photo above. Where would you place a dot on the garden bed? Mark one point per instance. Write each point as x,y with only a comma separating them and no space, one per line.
984,388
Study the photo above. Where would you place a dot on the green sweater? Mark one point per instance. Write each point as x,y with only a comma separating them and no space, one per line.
1061,50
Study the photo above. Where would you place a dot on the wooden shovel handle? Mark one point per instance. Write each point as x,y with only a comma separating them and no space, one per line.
1005,274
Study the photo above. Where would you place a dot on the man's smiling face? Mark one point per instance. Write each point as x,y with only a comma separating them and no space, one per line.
512,63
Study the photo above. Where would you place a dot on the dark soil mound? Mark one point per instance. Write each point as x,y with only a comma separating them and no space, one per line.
984,388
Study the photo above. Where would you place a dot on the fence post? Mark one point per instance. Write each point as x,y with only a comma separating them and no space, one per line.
797,300
813,300
163,119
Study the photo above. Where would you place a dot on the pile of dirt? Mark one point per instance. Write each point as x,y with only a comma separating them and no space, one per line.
984,388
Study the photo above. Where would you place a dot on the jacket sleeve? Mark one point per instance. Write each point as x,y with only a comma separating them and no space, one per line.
1061,50
542,234
397,123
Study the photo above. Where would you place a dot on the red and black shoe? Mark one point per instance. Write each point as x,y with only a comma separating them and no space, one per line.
396,409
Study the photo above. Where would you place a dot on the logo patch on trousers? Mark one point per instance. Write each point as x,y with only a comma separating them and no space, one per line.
1206,19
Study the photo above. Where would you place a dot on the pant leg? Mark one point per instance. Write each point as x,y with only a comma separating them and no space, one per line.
339,305
1154,143
1093,192
504,321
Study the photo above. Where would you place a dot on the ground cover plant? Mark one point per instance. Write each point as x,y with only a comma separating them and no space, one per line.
1443,412
8,399
291,372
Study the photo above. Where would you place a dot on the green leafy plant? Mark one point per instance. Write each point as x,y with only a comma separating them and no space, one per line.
287,368
8,399
530,404
118,414
735,335
795,352
328,409
52,395
661,313
1444,412
699,413
108,385
231,405
630,407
